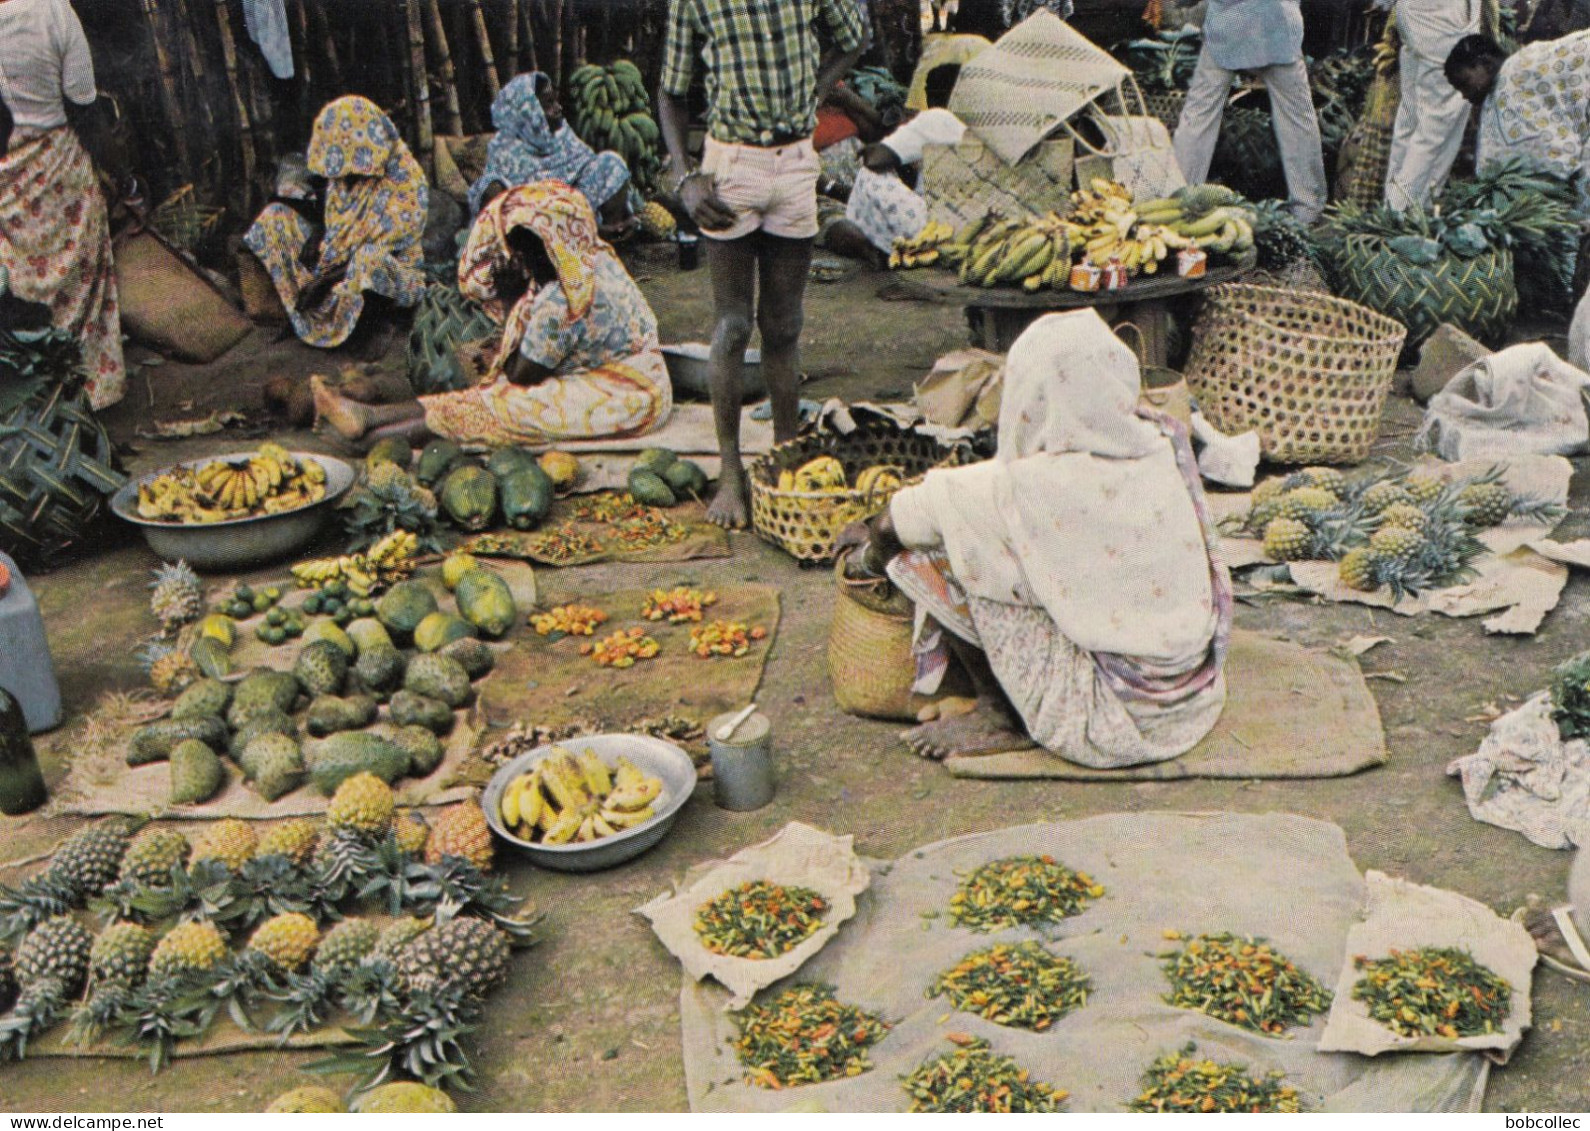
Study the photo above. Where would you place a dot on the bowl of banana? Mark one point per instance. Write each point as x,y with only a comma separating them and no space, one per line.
589,803
233,511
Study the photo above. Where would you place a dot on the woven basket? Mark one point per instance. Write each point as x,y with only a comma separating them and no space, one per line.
1366,154
1166,105
168,304
805,524
1308,372
1476,295
870,662
963,183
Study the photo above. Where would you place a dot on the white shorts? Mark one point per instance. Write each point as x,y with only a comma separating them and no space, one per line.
769,190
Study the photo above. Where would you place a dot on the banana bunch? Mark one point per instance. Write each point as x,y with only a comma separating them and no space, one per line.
570,798
1188,220
1033,253
609,109
389,560
823,475
269,482
923,249
879,479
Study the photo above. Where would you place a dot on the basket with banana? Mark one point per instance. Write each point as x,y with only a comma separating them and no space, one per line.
1209,217
390,560
271,481
570,798
610,109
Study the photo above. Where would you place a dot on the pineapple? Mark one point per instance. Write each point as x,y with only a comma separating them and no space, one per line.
177,597
1327,478
405,1097
1396,544
346,945
411,831
152,855
1269,490
1360,569
1489,503
8,980
188,948
461,831
231,841
1385,494
468,954
1424,487
51,969
1406,516
89,861
1288,540
311,1099
295,840
656,221
120,955
171,671
362,805
397,935
1305,502
288,940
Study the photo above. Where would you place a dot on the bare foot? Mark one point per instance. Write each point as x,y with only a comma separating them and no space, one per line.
1547,936
347,417
985,730
730,508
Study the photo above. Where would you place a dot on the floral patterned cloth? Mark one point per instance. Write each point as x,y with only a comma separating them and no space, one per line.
1081,559
55,243
1540,109
593,329
375,207
526,150
885,208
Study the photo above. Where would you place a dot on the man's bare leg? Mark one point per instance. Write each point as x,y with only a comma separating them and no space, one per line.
352,420
783,266
733,264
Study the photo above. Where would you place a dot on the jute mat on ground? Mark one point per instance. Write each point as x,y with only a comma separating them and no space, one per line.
697,538
223,1037
1291,712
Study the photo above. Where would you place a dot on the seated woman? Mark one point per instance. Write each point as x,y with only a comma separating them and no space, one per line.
1073,575
579,357
534,143
364,258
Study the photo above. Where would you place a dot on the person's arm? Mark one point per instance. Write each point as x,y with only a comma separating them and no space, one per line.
525,373
695,190
849,30
93,125
881,159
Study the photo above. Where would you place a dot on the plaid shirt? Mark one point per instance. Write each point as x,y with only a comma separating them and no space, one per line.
762,58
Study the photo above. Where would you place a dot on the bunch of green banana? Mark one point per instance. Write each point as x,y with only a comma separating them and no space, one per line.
609,109
1031,253
390,560
923,249
1225,229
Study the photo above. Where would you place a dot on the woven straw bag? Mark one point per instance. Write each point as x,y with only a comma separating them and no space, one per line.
1308,372
870,661
1366,154
805,524
1476,295
963,183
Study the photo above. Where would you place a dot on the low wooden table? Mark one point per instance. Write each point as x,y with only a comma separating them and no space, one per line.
998,315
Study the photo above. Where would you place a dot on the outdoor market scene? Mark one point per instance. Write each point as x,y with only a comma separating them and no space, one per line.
794,556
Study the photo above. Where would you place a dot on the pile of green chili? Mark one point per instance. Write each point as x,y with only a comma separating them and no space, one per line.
1021,891
805,1035
760,920
1433,991
1022,985
1243,981
1177,1082
974,1078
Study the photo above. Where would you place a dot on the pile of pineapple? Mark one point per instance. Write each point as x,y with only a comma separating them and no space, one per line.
375,918
1402,531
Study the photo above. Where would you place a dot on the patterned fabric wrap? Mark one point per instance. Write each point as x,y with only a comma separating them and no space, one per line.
55,244
527,149
885,208
593,329
1540,109
375,210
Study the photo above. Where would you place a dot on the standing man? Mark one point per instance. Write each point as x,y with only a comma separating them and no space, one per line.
1433,113
755,194
1265,36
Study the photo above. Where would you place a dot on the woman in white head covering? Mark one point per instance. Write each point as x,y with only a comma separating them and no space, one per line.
1074,575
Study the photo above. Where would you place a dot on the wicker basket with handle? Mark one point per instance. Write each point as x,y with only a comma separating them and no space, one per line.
1307,371
870,662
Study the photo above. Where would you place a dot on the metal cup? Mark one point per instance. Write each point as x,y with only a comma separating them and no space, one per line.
742,766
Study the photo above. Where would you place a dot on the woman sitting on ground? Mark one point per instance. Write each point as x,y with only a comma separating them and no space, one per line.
579,358
363,259
534,143
1074,575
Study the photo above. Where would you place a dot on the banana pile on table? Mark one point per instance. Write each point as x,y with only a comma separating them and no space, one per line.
609,109
270,481
1209,217
569,798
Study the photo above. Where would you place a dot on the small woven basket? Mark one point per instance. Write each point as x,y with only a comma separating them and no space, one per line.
805,524
870,662
1308,372
1166,105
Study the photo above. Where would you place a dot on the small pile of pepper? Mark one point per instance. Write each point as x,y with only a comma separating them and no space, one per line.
622,649
1178,1083
805,1035
610,507
646,532
678,605
565,544
724,638
570,620
760,919
1021,891
1433,992
1243,981
974,1078
1022,985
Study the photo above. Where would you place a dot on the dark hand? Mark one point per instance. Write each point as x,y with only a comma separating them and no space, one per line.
316,292
699,194
880,158
853,538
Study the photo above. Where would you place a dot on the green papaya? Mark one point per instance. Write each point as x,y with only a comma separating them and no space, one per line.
211,657
390,449
438,630
339,757
438,458
469,496
486,602
155,742
526,497
403,606
411,710
648,488
505,461
655,459
685,478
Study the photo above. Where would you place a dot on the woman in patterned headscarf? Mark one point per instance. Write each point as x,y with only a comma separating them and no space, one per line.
367,245
535,143
579,357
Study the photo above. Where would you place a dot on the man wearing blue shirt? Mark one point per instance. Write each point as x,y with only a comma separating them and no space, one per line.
1266,38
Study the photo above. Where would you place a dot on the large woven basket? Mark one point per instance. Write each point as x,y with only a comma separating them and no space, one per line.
805,524
1166,105
1476,295
1308,372
870,662
1366,154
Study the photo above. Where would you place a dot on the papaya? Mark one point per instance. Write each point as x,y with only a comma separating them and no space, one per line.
505,461
486,602
685,478
469,496
211,657
454,566
648,488
526,497
390,449
438,458
562,468
403,606
655,459
438,630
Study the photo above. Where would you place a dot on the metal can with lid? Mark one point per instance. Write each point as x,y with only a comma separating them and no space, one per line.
742,764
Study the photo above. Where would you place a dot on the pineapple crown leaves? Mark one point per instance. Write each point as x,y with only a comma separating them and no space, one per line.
398,880
422,1039
1570,696
99,1012
454,888
389,502
306,1002
38,1008
163,1012
35,900
371,989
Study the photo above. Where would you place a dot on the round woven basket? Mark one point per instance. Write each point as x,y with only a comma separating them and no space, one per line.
805,524
1478,295
1166,105
1308,372
870,662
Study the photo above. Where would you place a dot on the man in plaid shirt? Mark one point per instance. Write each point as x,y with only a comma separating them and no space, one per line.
755,193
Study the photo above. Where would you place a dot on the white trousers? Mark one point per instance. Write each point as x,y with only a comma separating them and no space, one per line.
1291,111
1432,114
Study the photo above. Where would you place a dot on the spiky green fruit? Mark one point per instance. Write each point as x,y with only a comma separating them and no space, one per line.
88,862
1406,516
296,840
1288,540
1359,569
152,854
196,773
1305,502
121,954
362,804
1487,504
188,948
1423,487
57,950
1327,478
230,841
397,935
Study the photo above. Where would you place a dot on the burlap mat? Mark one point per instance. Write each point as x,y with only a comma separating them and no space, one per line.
223,1037
1282,877
701,539
1290,713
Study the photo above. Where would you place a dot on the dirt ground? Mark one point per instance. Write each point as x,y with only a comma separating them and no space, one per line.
590,1019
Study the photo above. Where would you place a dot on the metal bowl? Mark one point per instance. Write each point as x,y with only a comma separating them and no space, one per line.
651,756
689,372
240,542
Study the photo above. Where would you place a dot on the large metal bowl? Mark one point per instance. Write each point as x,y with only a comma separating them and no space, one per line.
689,371
241,542
651,756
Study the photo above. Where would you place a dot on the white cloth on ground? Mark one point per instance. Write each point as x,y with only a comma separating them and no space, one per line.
44,62
936,126
1518,401
266,21
1524,777
1432,114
